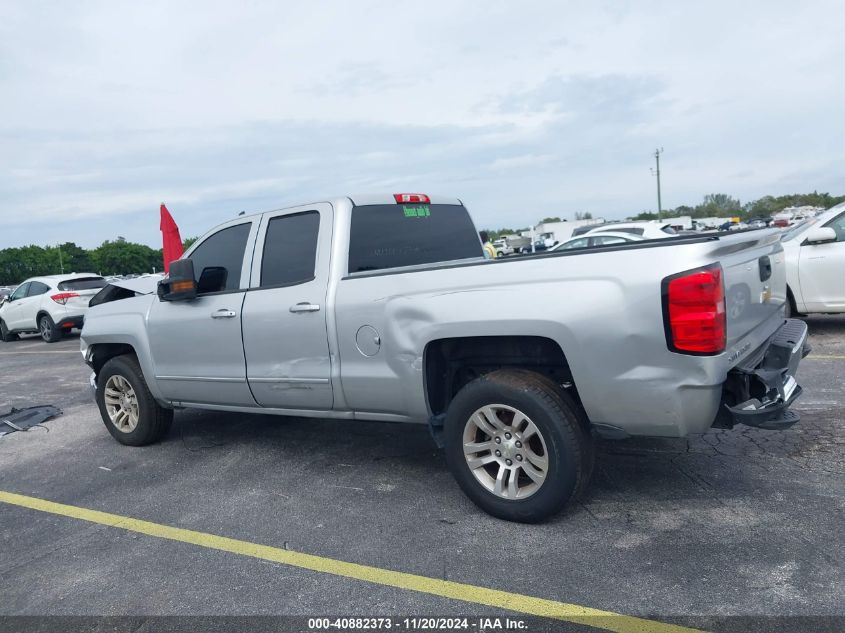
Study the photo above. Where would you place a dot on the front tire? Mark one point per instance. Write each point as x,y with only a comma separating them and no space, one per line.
518,445
129,410
48,330
5,335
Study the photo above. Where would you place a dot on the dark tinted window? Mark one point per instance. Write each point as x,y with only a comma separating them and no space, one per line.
83,283
224,249
290,249
110,293
392,235
36,288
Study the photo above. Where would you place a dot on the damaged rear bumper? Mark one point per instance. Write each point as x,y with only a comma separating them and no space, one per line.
760,390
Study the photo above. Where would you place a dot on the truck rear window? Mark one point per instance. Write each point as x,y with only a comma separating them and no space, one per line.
83,283
393,235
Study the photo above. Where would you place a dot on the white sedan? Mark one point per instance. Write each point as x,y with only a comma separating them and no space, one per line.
605,238
815,263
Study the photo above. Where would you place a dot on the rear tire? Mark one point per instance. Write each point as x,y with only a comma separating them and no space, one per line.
545,450
48,330
129,410
5,335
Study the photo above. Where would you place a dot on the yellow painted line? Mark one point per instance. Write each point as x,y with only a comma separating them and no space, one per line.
504,600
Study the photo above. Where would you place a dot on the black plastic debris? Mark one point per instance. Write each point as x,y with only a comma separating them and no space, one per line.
25,419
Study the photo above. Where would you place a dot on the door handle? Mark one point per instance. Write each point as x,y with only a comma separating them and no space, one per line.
304,306
224,314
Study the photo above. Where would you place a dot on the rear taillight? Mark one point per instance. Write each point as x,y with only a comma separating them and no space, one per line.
411,197
694,311
62,297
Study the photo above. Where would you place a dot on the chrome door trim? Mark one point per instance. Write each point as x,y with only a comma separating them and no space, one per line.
201,379
312,381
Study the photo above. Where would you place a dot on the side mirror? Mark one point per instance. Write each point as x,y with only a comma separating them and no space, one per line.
180,285
820,235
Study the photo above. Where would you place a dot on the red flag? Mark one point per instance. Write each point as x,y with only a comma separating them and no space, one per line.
171,241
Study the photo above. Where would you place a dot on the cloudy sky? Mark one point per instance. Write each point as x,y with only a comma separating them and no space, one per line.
522,109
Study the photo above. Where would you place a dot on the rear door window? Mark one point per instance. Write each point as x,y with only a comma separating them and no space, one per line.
36,288
290,249
394,235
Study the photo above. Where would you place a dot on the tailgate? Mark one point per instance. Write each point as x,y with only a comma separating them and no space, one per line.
76,293
754,275
80,301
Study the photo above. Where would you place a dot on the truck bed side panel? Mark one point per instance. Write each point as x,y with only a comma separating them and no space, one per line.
603,308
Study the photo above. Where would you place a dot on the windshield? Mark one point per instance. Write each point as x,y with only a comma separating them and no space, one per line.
798,228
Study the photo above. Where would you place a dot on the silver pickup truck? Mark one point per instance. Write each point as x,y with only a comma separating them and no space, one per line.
383,308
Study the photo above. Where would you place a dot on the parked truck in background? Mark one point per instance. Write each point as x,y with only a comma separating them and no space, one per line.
383,308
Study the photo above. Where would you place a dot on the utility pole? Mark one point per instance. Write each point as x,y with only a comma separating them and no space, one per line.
656,172
61,265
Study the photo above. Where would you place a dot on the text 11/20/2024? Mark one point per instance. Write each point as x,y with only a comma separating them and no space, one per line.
481,624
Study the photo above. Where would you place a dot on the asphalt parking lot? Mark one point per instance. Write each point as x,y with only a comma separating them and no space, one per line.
695,531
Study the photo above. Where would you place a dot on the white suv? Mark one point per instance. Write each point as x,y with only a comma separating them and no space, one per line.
50,305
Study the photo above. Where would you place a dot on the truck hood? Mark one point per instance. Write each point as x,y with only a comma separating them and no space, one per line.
140,285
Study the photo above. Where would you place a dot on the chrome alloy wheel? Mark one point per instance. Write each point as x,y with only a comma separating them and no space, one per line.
505,451
45,329
121,403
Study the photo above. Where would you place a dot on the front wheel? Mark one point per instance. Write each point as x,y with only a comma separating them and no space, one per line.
127,407
5,335
517,445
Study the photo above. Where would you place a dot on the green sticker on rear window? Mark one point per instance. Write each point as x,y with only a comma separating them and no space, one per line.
421,211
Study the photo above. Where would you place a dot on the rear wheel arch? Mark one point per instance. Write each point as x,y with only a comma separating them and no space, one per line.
451,363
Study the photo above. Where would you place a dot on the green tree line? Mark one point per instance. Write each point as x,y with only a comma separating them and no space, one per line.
724,205
118,257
